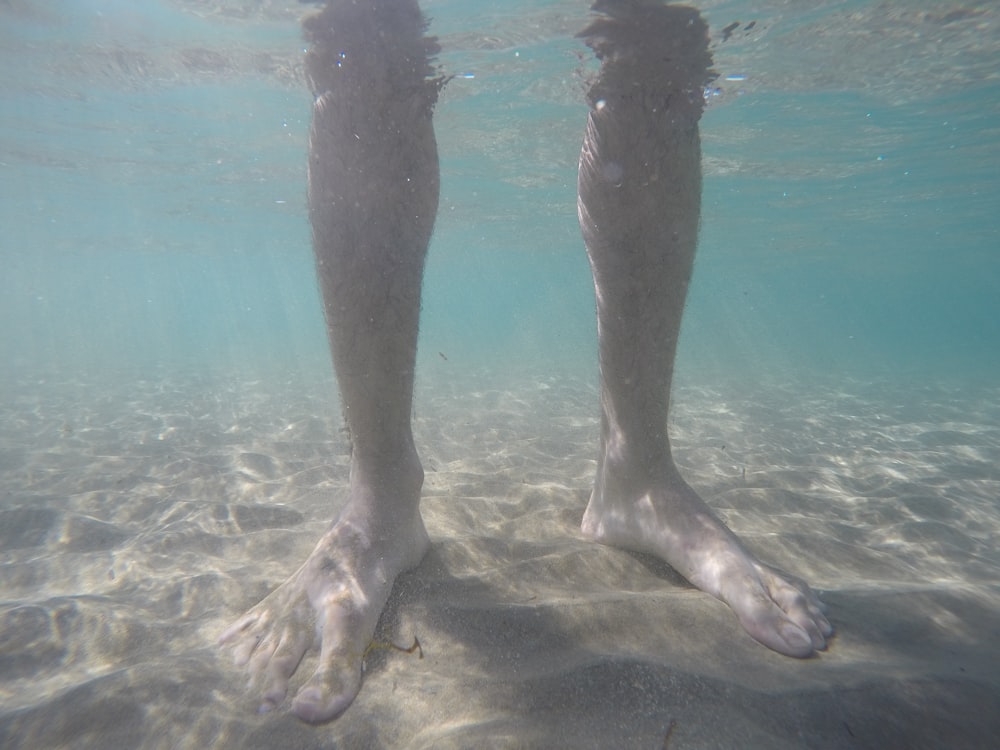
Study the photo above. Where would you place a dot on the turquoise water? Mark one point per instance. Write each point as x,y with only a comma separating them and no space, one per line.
170,446
153,190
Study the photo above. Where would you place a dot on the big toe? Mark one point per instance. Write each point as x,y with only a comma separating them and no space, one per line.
785,637
774,630
795,641
326,695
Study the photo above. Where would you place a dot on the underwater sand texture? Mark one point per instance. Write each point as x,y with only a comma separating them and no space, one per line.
138,518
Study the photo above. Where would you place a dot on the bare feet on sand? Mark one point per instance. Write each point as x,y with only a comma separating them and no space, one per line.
639,208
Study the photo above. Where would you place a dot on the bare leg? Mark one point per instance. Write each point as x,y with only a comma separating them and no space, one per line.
639,204
373,192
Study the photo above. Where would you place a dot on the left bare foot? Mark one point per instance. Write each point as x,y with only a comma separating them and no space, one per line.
666,518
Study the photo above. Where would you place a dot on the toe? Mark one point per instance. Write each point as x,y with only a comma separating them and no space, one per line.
777,617
245,649
805,617
326,695
826,628
815,634
800,605
282,665
768,624
260,656
778,633
237,629
245,637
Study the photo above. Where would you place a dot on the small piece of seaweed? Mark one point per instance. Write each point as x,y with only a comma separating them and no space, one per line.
670,730
390,646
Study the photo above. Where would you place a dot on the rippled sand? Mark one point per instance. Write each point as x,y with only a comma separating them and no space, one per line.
139,517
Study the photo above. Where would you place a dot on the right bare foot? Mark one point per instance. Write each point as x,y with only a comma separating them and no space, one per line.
334,601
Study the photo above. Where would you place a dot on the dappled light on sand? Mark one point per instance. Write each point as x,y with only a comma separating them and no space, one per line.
132,529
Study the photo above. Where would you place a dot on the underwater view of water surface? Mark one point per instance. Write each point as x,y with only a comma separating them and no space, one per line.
171,439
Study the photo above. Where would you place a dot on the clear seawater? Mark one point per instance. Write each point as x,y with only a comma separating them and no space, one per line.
161,468
152,204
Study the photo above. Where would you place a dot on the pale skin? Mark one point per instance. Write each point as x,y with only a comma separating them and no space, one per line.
373,195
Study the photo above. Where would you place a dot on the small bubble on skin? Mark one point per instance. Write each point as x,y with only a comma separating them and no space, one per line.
711,92
613,173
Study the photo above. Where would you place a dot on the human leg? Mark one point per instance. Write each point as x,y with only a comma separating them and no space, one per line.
373,192
639,206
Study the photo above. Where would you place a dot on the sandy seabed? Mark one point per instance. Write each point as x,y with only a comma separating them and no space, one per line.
138,518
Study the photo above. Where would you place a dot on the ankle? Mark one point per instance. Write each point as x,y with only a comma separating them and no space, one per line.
398,471
639,465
